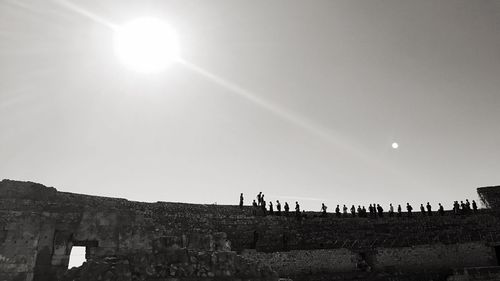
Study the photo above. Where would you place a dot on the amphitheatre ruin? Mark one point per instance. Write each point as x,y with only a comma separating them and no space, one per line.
162,241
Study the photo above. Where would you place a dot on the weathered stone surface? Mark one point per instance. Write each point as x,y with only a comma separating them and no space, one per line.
490,196
104,270
186,265
156,241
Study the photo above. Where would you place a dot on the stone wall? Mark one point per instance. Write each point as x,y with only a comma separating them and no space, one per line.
487,273
432,257
307,262
193,258
435,256
39,225
490,196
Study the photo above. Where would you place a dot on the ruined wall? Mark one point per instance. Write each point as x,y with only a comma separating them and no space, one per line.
437,256
40,225
420,258
307,262
201,259
490,196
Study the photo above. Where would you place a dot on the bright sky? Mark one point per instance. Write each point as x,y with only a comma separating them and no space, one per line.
301,100
77,256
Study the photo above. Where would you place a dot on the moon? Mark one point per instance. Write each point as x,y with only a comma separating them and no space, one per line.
146,45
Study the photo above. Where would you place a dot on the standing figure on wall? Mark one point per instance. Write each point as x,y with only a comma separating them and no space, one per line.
278,208
409,208
323,209
464,207
287,209
297,209
456,208
441,210
241,200
271,211
380,211
474,206
422,210
255,207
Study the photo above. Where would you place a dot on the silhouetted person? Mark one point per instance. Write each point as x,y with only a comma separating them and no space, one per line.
363,212
400,213
353,211
255,207
441,210
429,209
456,208
409,208
380,211
422,210
371,210
474,206
391,210
463,205
337,211
323,209
241,200
259,198
271,211
278,208
344,209
297,209
359,211
287,209
262,201
467,205
263,206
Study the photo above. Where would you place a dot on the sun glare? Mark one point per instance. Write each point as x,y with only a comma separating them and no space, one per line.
146,45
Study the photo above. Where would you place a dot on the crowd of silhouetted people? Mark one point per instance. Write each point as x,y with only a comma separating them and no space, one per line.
260,206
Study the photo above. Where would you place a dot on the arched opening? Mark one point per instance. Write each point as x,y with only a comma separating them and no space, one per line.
77,256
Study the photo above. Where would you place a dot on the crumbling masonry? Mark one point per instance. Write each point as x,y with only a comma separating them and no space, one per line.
128,240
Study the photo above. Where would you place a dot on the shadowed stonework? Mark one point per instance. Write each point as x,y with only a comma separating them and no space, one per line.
128,240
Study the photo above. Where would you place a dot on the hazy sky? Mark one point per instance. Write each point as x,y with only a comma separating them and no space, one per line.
299,100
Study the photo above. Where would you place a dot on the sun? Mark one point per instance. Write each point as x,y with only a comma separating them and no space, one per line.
146,45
